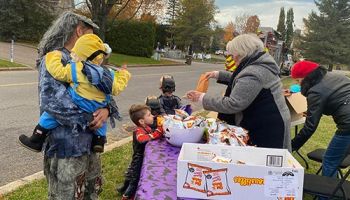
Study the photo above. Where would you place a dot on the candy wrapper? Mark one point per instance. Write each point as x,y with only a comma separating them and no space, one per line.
220,159
195,179
173,122
217,183
181,113
224,134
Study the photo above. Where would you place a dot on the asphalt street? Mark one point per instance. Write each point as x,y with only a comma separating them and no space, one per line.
19,109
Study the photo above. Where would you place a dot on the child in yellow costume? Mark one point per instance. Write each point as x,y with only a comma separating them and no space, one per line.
91,86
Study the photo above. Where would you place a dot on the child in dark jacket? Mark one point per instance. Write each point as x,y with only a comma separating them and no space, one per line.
168,101
154,104
142,117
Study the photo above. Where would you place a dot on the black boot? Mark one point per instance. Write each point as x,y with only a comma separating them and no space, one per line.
98,143
122,188
36,141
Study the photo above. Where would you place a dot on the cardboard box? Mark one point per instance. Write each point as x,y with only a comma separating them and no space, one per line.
297,105
268,174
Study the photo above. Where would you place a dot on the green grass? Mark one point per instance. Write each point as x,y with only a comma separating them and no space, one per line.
114,164
7,64
119,59
212,60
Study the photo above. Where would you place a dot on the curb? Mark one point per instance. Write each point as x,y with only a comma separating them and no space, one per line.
16,69
10,187
147,65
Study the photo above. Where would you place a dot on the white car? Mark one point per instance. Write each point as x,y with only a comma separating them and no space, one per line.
219,52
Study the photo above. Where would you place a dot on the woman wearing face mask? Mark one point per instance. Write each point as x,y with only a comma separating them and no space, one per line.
253,98
328,94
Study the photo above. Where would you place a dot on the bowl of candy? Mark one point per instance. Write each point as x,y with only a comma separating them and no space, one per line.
182,128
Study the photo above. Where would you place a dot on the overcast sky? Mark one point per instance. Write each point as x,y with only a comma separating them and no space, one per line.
267,10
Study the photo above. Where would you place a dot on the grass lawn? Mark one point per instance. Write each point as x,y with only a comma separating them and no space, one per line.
7,64
212,60
119,59
116,162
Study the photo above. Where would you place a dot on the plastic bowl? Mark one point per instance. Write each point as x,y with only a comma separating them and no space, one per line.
177,136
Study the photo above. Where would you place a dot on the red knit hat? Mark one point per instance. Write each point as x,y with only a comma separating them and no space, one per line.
303,68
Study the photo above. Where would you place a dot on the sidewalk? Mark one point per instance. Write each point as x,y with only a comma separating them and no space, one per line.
23,54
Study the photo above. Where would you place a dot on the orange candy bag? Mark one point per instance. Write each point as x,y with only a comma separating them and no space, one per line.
203,84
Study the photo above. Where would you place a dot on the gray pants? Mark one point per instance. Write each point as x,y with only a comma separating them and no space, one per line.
73,178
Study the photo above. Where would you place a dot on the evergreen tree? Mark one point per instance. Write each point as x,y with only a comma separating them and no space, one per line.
173,8
24,19
281,27
327,35
290,29
193,25
218,39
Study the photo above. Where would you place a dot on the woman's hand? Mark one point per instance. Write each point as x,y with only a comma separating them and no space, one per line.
212,74
100,117
195,96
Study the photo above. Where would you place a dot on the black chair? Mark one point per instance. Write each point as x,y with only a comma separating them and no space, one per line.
328,187
317,155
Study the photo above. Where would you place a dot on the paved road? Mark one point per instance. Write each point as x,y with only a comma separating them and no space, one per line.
19,110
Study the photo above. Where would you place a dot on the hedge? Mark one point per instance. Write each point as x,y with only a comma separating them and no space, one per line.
132,38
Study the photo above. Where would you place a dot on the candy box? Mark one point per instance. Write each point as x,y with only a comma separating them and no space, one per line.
206,171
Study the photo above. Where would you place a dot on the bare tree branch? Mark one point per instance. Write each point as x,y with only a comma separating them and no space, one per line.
137,10
119,11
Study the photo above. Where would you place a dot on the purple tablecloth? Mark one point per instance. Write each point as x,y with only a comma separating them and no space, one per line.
158,175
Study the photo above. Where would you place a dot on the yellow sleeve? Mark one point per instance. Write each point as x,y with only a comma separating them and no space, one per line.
55,67
121,79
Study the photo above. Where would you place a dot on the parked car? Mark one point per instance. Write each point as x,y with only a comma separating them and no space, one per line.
219,52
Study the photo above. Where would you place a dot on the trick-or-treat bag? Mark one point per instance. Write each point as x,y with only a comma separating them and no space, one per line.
195,179
203,84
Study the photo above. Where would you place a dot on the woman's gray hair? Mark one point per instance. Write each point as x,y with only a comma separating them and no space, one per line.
61,31
245,45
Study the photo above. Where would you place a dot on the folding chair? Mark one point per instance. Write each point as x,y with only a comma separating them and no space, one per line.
328,187
317,155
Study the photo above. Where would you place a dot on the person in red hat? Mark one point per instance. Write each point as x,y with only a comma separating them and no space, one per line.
327,93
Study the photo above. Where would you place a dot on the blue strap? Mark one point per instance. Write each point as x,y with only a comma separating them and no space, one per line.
74,75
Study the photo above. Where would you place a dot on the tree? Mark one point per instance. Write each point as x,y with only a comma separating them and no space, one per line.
326,39
102,10
229,30
290,29
241,22
218,39
252,25
173,8
281,27
25,19
193,25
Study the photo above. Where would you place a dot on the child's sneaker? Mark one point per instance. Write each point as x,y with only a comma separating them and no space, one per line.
98,143
36,141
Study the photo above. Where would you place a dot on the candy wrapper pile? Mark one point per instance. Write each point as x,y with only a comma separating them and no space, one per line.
221,133
216,132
